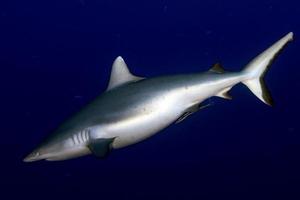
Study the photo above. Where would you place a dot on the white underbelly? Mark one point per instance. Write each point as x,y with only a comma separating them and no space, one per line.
138,128
150,119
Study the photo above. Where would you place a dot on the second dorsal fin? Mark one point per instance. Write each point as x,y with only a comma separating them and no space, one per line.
217,68
120,74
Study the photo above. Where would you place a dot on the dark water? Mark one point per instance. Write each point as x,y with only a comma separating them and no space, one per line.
55,56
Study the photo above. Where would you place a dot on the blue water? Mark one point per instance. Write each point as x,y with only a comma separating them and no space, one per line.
55,57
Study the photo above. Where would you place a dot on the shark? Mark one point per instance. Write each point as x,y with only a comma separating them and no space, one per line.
134,108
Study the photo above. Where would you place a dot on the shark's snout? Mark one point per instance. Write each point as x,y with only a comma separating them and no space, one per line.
56,151
34,156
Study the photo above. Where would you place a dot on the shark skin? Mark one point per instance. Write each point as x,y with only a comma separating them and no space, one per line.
134,108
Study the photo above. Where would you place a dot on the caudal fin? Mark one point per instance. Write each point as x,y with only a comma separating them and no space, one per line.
256,69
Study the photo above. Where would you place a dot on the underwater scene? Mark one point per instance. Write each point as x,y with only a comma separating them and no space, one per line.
111,99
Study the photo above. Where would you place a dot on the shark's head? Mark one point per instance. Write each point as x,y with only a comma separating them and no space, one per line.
44,151
59,148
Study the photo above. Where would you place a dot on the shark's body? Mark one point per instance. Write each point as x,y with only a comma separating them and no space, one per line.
134,108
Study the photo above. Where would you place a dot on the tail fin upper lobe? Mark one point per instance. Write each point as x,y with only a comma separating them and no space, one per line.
256,69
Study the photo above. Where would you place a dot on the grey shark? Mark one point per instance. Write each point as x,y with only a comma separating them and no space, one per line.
134,108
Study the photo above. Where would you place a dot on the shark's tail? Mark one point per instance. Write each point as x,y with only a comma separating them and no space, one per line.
256,69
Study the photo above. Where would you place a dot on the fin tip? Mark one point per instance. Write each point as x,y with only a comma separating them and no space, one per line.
290,36
119,58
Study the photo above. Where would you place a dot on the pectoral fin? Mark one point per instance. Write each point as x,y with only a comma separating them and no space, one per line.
101,147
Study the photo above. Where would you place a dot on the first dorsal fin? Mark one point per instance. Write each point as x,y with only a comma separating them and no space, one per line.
217,68
120,74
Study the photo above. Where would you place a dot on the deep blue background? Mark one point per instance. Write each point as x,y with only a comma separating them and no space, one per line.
55,56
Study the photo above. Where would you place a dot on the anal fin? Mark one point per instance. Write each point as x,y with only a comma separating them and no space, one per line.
224,93
101,147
